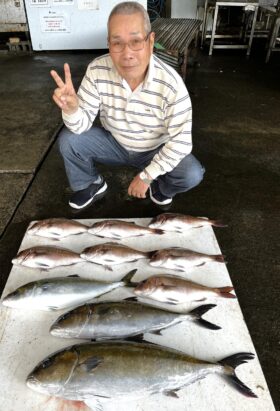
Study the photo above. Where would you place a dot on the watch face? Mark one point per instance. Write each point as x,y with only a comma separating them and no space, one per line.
144,178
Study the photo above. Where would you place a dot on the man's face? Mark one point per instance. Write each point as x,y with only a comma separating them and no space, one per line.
131,65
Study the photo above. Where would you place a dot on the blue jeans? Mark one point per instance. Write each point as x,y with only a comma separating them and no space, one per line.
80,152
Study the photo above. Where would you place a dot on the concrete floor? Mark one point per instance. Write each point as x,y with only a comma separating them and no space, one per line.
236,135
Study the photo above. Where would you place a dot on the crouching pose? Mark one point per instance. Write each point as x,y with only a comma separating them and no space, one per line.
145,112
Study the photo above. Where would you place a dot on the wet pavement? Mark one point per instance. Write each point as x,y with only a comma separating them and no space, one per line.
236,136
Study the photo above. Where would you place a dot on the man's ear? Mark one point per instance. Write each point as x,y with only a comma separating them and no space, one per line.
152,39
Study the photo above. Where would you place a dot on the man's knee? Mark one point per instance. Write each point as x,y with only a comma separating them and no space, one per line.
66,140
192,173
195,175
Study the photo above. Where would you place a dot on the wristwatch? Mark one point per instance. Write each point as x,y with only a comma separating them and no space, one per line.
145,177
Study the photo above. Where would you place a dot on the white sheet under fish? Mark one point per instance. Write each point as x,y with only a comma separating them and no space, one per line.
25,338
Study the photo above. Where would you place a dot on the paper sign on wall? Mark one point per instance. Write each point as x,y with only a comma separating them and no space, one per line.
88,5
55,22
63,2
39,2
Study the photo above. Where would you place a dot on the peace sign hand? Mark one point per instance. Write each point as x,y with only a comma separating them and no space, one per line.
65,95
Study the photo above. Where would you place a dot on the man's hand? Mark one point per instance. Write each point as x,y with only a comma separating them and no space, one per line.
65,95
138,188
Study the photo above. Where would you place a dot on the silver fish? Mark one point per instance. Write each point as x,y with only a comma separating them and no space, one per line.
181,222
61,292
109,254
180,259
176,290
122,319
56,228
46,257
127,370
117,229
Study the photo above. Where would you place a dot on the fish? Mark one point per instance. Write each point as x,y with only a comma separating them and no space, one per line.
117,229
56,228
122,319
127,370
108,254
176,290
180,259
180,222
59,293
46,257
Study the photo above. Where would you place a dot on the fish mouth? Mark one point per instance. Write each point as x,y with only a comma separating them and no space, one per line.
34,384
55,330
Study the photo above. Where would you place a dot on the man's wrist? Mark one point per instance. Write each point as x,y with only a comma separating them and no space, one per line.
145,177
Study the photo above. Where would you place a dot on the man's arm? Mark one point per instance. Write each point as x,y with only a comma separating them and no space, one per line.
178,120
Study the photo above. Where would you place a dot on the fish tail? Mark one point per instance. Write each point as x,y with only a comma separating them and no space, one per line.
232,362
218,223
127,279
219,258
226,292
198,312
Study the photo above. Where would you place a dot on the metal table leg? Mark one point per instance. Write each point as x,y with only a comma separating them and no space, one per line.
252,30
273,38
214,29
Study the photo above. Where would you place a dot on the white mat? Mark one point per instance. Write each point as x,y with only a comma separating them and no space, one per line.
25,338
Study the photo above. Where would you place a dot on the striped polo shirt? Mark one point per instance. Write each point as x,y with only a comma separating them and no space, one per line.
157,113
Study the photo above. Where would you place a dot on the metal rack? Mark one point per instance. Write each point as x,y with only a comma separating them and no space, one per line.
175,37
249,7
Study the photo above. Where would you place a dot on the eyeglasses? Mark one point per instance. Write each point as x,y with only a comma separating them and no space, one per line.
117,46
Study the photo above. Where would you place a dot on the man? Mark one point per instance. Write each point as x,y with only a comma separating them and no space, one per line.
145,112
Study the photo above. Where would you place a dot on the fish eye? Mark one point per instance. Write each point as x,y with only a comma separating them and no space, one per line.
14,293
65,316
47,362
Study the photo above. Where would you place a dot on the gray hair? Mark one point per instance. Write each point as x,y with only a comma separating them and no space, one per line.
131,7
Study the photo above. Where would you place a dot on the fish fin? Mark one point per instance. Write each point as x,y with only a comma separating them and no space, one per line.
116,236
233,361
219,258
199,265
218,223
127,278
130,299
91,363
198,312
94,404
136,338
172,301
156,332
158,231
171,393
43,266
207,324
225,292
107,267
